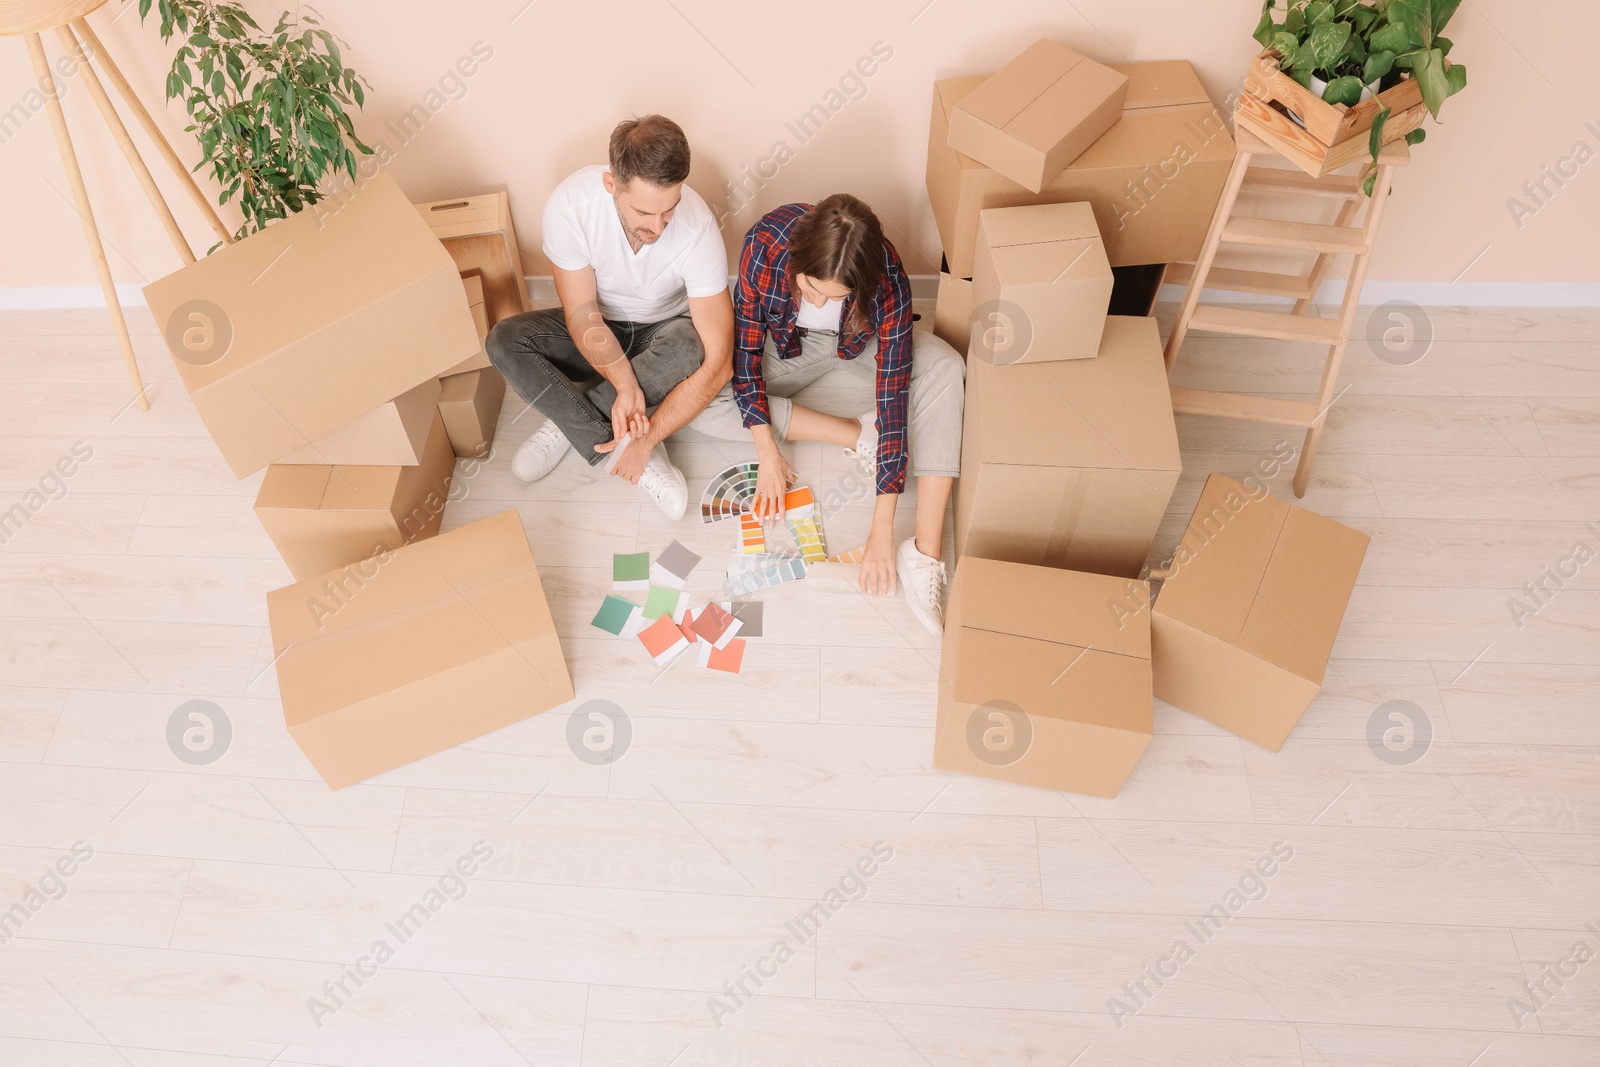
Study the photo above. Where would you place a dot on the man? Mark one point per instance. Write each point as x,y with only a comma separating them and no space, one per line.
645,321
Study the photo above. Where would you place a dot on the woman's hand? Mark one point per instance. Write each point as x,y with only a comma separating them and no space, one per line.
878,566
773,478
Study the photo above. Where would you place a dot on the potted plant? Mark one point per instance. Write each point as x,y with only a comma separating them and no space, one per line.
269,109
1348,52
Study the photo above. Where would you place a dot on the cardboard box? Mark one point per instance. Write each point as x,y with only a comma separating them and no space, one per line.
952,311
312,322
479,360
392,434
1038,113
1069,464
397,657
478,233
1244,627
470,405
322,517
473,283
1153,179
1038,681
1048,261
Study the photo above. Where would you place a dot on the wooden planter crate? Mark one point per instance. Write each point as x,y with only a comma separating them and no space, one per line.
1333,134
477,232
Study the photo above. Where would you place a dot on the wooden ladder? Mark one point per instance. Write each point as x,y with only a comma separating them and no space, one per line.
1301,324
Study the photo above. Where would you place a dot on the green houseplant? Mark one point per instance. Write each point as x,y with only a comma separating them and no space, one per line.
1356,47
269,109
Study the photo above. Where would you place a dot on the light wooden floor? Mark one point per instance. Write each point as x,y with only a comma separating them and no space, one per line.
220,898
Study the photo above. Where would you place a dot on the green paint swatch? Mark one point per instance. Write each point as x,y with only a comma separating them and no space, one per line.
613,614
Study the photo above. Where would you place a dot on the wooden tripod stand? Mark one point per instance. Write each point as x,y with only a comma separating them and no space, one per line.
28,19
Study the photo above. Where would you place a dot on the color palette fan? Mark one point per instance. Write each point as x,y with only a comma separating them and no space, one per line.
729,493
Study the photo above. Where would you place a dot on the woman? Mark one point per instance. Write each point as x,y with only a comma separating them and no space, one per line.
820,288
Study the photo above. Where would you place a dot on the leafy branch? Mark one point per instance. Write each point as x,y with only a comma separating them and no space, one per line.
269,109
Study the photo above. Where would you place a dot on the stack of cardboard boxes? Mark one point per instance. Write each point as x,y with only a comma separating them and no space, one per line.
1047,178
343,350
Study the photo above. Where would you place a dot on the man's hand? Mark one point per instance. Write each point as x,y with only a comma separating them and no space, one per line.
634,456
628,411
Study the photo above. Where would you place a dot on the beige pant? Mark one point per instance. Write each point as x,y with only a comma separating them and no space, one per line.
938,390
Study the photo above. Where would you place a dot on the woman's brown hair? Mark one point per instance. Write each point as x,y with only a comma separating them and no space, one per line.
840,240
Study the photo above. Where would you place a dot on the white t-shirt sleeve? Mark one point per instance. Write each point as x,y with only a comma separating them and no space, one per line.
705,268
565,244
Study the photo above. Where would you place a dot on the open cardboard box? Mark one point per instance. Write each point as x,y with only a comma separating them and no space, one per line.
1038,113
1048,263
324,516
1246,621
1072,463
1153,179
415,651
312,322
1039,681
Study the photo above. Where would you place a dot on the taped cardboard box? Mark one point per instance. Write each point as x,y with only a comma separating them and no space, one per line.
1046,266
392,434
1153,179
1039,683
478,233
1069,464
275,336
1038,113
1244,626
400,656
470,405
952,311
325,516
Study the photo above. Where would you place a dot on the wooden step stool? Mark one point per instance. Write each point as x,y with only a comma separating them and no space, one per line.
1341,238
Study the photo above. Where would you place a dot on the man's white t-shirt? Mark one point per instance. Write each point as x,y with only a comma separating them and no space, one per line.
581,229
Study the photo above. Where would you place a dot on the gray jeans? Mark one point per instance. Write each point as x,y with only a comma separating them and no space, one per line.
938,391
539,358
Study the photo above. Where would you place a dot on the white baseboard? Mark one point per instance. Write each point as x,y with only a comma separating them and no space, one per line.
925,286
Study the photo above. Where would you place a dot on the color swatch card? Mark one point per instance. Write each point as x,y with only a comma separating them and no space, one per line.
834,577
781,569
663,640
808,538
630,571
752,537
716,625
749,613
673,566
619,616
728,658
665,602
855,555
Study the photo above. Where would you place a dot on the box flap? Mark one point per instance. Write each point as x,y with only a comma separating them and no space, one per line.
1047,604
1112,411
352,487
1222,558
293,485
1302,597
1043,243
1049,680
1019,83
327,262
354,664
1161,84
421,574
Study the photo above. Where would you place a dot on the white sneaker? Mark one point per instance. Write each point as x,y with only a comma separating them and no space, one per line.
865,453
539,454
664,484
922,578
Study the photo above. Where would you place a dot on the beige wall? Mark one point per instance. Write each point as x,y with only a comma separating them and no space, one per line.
562,72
